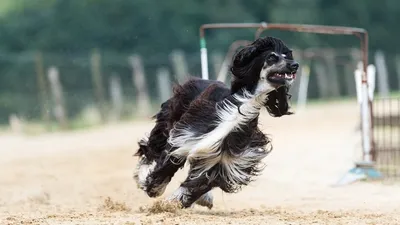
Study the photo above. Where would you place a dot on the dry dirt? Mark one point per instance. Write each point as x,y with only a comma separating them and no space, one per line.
85,177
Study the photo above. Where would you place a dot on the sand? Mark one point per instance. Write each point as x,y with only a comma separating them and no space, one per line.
85,177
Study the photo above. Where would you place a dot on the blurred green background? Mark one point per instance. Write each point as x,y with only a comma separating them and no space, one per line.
38,34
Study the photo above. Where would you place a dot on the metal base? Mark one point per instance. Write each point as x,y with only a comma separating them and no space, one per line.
361,171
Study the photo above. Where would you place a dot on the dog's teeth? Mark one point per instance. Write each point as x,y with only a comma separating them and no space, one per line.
288,76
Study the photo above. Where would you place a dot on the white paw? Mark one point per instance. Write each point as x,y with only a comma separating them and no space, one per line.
206,200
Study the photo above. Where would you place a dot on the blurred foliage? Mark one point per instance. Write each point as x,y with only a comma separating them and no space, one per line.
66,31
155,27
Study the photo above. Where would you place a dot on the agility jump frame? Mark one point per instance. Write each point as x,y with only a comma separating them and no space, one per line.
361,34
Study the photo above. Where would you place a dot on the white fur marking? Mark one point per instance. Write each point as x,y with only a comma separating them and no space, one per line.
179,194
206,200
263,84
182,193
206,147
142,171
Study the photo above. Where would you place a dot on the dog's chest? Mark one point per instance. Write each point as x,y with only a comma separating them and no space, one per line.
232,130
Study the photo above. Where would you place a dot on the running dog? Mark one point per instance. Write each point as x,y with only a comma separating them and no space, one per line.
214,128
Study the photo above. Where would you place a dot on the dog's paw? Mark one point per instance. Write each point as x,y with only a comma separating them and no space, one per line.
206,200
184,196
181,195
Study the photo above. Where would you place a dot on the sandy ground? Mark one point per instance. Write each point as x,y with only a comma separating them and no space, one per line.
86,178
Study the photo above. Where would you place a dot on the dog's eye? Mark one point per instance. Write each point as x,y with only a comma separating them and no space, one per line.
273,58
288,55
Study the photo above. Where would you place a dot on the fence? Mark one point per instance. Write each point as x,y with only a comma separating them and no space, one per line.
386,118
101,86
62,89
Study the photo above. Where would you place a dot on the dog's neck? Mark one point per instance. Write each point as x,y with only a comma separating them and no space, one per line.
256,97
242,106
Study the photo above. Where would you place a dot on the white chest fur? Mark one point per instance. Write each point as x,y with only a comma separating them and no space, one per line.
205,149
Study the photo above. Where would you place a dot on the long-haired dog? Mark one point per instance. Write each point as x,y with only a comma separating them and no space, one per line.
215,128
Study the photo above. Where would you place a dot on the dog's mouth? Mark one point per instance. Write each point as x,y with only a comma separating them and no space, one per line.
281,78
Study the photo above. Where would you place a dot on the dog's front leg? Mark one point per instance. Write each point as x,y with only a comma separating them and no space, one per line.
206,200
162,174
194,190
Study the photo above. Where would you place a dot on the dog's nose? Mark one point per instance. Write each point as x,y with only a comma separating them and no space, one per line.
293,66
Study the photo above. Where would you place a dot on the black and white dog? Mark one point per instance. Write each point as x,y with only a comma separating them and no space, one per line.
215,128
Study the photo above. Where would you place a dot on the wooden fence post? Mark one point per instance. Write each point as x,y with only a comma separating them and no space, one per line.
164,84
298,55
355,55
397,61
180,65
43,93
58,97
97,81
303,87
323,83
217,59
333,76
116,95
383,82
139,82
349,79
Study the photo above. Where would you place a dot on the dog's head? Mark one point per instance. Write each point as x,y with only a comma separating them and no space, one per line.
266,66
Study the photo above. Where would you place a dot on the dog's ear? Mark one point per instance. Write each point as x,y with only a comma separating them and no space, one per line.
248,53
244,56
278,102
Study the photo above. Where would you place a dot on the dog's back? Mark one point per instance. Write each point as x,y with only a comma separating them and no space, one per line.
172,110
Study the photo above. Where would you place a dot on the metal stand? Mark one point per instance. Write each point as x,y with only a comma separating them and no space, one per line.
365,169
361,171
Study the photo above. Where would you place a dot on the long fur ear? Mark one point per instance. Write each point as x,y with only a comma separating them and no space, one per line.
248,53
278,102
242,64
244,56
247,62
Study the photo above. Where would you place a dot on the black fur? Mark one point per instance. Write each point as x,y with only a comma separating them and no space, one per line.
249,60
193,107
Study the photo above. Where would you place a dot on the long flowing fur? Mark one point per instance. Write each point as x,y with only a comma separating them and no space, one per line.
214,128
207,150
